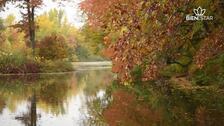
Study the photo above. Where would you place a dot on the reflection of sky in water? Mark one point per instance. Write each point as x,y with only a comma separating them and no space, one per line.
74,107
75,114
8,118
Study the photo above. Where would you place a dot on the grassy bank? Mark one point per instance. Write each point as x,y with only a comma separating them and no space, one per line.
18,63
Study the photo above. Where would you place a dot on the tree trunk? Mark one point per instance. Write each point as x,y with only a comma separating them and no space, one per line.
33,30
31,23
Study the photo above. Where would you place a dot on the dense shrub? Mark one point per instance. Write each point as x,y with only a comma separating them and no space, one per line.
17,62
53,47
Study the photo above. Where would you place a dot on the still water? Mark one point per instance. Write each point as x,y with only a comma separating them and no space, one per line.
87,97
51,100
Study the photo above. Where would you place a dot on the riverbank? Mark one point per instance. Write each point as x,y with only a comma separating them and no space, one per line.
34,67
92,65
107,103
61,69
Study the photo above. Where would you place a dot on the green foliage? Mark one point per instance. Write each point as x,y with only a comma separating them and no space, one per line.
184,60
55,22
17,62
137,75
84,54
51,22
200,78
93,39
49,66
89,44
172,70
212,73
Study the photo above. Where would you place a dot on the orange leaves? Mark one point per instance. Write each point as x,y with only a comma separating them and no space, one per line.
108,52
151,72
36,3
211,46
106,40
98,11
142,32
152,34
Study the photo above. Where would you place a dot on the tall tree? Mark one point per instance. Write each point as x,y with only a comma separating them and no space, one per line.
28,21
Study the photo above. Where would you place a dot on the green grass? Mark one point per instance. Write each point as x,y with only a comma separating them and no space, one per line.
18,63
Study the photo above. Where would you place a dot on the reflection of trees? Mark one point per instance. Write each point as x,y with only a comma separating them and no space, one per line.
188,108
2,104
33,110
94,80
51,92
183,108
54,93
95,106
14,91
29,118
173,107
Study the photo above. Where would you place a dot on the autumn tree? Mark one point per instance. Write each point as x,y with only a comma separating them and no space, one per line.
28,17
54,47
28,22
55,22
92,38
155,36
12,40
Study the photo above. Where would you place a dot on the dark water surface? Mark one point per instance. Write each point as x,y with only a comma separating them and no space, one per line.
87,98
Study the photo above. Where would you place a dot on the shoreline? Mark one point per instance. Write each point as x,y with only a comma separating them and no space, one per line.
78,66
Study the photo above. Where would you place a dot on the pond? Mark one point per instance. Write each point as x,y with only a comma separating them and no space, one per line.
51,100
88,98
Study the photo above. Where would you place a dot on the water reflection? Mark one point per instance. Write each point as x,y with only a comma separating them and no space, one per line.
29,118
50,99
96,105
85,99
165,106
